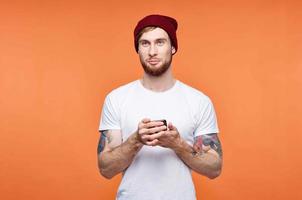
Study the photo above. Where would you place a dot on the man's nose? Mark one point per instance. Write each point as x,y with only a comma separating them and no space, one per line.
153,50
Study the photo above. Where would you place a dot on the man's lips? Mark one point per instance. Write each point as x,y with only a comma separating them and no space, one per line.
153,61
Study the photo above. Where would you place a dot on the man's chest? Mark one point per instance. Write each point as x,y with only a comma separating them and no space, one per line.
176,111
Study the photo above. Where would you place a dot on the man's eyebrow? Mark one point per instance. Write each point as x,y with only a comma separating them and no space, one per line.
157,39
142,40
161,39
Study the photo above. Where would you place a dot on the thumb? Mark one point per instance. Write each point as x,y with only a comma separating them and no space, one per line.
171,127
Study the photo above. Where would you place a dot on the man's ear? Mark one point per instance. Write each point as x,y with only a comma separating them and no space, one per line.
173,50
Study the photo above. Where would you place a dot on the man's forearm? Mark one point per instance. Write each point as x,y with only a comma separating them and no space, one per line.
119,158
206,163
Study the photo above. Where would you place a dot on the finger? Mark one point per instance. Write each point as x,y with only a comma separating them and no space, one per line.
146,120
143,122
143,131
154,136
156,129
146,135
145,139
153,142
152,124
146,131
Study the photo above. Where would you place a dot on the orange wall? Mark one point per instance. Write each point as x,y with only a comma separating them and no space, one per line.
59,59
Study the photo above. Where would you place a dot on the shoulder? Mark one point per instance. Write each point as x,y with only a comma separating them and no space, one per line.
193,94
117,96
122,90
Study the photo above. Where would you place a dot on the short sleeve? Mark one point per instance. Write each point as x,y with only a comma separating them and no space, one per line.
206,120
110,116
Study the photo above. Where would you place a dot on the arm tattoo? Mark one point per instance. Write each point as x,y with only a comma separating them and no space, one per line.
102,141
109,137
211,140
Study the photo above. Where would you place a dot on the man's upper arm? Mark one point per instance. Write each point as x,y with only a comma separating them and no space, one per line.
109,139
208,142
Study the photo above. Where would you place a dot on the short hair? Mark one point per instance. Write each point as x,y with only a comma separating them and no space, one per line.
145,30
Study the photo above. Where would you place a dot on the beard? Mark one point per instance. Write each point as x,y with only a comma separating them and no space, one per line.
158,71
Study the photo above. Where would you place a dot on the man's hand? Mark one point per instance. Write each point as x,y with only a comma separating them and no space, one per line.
147,128
166,138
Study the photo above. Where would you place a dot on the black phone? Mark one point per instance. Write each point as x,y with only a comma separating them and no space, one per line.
164,121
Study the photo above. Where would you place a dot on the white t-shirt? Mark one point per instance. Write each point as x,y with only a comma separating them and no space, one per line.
157,173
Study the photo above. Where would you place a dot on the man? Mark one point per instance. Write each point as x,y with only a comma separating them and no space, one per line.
156,158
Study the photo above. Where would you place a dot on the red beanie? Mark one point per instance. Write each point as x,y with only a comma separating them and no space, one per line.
167,23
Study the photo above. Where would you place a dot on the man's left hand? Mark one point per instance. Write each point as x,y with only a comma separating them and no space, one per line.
169,138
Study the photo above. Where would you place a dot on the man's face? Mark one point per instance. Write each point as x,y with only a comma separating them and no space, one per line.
155,51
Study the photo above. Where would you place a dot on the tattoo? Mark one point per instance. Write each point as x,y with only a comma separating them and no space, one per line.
210,140
197,148
109,137
102,141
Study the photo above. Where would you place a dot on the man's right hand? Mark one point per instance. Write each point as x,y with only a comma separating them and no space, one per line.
146,128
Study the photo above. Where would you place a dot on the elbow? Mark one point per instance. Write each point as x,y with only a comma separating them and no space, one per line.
105,170
106,174
214,174
216,171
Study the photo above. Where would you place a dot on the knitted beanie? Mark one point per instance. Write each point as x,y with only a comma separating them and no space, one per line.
167,23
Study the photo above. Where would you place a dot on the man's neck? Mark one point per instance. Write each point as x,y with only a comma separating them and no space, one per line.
158,83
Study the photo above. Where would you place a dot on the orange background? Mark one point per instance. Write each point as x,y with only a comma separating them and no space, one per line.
59,59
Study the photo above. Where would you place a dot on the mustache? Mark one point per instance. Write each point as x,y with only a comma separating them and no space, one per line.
153,59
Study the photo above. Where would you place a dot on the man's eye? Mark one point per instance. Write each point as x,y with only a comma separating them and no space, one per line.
144,43
160,42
